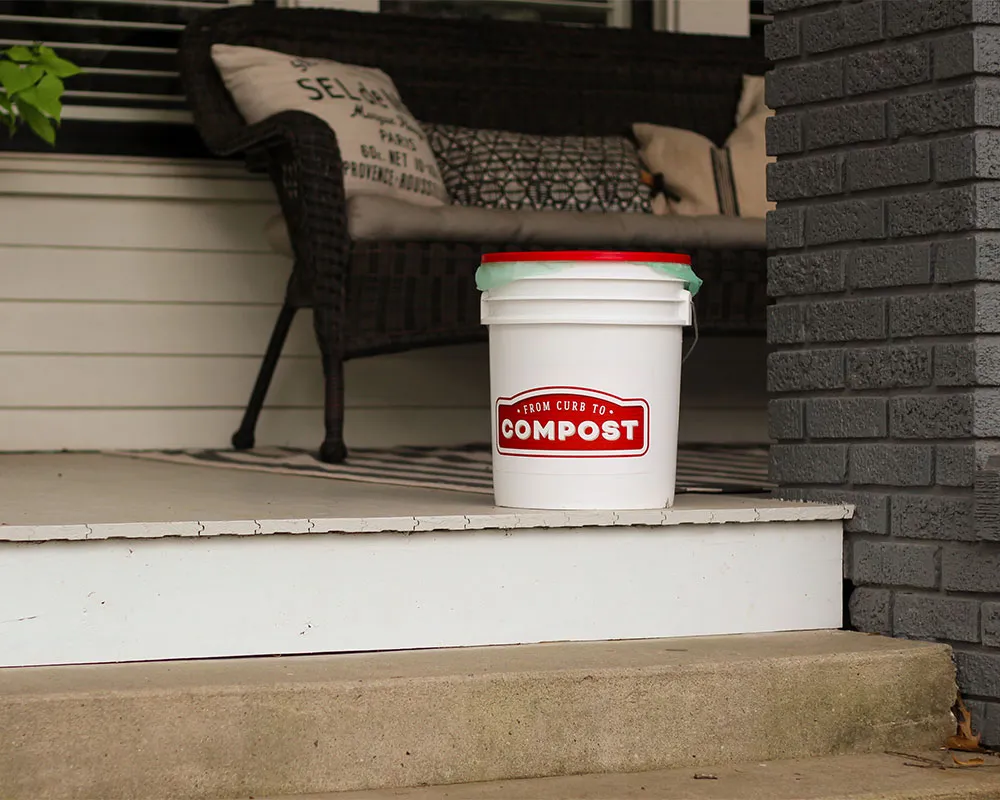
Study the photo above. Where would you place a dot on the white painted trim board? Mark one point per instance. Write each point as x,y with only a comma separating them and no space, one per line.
125,600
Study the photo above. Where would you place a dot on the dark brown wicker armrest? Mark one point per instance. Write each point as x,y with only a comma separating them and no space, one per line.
298,150
301,154
287,126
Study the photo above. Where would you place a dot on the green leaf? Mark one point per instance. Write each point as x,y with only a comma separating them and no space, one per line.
8,117
19,53
59,67
16,79
37,121
45,96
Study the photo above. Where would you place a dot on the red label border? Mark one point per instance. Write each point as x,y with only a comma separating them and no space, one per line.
597,395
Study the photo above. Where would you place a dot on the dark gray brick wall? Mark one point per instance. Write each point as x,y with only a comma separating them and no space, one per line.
935,616
890,367
846,417
885,274
786,419
985,718
805,177
871,610
882,167
966,258
815,273
895,563
890,464
845,124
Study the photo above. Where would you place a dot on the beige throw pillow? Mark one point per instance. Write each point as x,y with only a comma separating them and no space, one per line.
684,160
705,179
748,150
384,149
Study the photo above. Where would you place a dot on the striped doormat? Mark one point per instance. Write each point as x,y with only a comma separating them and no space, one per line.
736,470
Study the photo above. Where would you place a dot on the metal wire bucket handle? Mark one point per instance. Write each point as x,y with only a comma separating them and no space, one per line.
694,344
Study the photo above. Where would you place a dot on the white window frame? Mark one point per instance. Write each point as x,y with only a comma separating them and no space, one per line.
718,17
619,11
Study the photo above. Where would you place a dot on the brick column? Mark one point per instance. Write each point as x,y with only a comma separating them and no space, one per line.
885,269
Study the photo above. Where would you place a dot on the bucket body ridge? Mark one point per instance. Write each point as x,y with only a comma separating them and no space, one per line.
585,383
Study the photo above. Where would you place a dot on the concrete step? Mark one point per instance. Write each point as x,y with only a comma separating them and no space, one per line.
285,726
871,777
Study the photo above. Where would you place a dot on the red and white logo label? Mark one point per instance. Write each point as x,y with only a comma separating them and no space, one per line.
565,421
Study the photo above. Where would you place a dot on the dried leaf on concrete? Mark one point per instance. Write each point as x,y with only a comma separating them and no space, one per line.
965,738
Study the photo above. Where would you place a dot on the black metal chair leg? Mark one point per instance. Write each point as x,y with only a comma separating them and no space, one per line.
333,450
328,334
243,439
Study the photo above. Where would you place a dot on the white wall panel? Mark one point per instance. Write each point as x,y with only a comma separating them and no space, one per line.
137,295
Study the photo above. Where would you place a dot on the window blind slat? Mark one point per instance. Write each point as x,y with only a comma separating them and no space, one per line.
129,100
127,49
79,22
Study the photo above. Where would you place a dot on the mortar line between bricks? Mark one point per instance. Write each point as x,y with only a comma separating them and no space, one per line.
982,698
887,194
879,441
898,341
902,393
849,393
824,56
866,344
880,192
826,5
968,594
853,344
888,141
895,41
895,491
845,51
882,144
892,612
884,95
930,489
976,648
852,243
908,588
876,292
880,538
923,238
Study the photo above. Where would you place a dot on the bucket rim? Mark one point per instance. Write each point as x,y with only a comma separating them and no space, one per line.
597,256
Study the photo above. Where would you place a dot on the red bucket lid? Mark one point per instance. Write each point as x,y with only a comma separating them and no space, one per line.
586,255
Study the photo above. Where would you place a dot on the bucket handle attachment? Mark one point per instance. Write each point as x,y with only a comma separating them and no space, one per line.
694,320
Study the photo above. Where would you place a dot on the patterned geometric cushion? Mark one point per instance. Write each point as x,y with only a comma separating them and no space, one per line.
499,169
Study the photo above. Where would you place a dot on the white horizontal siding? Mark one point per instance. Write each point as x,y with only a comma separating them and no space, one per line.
137,296
404,380
146,428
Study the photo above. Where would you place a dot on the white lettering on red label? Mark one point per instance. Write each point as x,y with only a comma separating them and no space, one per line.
569,422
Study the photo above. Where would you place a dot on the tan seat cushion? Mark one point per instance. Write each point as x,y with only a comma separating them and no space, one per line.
374,218
707,179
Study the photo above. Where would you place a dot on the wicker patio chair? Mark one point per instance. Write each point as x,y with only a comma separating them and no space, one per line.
371,297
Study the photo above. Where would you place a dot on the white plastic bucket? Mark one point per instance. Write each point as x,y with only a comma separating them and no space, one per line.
585,368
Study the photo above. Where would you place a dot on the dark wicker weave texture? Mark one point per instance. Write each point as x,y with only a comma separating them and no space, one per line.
376,297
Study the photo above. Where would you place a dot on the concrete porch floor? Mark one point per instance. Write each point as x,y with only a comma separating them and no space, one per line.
91,495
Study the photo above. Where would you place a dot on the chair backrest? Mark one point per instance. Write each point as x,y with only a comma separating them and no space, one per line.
524,77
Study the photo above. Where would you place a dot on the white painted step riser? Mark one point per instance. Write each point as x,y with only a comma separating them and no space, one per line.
190,597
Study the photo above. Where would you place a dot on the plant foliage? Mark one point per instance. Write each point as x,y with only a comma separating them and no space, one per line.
31,88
